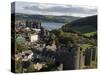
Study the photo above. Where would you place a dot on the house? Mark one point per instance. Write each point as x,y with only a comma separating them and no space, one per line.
34,37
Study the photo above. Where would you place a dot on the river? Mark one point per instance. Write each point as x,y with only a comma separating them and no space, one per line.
51,25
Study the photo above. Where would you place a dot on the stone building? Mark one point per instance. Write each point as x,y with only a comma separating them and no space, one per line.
90,56
72,58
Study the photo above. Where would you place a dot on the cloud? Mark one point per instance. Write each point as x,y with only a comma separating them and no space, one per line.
54,9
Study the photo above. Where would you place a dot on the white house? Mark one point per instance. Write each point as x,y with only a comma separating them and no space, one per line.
34,37
37,30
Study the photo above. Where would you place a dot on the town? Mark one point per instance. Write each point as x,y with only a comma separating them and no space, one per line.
37,50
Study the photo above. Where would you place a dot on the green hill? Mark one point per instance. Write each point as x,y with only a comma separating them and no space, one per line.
48,18
83,25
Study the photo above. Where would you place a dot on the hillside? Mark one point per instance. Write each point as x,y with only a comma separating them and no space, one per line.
50,18
83,25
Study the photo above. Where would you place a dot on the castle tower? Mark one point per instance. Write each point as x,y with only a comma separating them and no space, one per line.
79,58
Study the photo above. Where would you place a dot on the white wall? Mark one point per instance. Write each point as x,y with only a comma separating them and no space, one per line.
34,38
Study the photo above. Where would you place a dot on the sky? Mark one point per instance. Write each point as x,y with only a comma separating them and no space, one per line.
54,9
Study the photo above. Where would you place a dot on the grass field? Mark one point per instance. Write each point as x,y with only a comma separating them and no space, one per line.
89,34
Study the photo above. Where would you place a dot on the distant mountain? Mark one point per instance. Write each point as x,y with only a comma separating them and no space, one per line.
50,18
83,25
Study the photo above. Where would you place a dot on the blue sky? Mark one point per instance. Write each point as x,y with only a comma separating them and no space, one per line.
54,9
